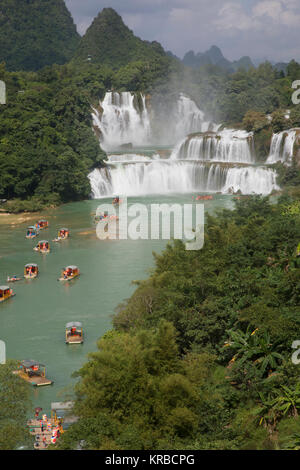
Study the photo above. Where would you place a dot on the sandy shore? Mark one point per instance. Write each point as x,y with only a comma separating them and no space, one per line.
17,219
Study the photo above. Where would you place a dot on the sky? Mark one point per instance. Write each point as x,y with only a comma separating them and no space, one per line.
262,29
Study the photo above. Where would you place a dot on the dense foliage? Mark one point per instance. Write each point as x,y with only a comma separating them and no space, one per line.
14,405
35,33
109,41
200,357
47,145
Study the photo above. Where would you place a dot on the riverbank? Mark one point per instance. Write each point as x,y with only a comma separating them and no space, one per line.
32,324
7,218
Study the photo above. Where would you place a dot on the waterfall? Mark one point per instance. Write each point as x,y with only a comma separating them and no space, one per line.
100,181
163,177
123,119
227,145
131,158
189,118
204,158
282,146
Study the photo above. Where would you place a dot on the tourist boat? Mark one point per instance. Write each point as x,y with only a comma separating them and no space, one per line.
6,293
116,201
63,234
13,279
33,372
31,271
204,198
69,273
43,246
43,224
74,333
31,232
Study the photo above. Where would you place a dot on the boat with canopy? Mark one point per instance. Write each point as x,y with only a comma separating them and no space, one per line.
6,293
32,232
69,273
74,333
43,246
31,271
33,372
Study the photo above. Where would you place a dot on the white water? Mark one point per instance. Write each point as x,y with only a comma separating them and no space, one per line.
121,121
131,158
189,118
282,146
163,177
193,165
228,145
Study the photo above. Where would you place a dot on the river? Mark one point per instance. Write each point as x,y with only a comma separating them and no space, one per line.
32,324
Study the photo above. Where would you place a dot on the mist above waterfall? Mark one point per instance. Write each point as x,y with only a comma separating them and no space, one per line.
128,118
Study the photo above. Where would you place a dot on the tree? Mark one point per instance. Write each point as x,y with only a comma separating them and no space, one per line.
14,406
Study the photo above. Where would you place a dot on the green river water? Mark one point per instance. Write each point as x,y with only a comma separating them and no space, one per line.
32,324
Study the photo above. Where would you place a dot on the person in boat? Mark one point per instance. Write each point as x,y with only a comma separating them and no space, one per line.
29,270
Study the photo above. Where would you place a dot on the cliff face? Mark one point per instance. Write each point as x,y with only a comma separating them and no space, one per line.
109,41
35,33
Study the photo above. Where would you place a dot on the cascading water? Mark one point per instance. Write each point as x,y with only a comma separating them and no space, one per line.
189,118
123,119
227,145
282,146
203,160
163,177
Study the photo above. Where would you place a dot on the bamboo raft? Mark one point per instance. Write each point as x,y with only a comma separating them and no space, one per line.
33,372
36,380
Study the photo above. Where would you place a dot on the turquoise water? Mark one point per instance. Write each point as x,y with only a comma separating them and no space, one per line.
33,322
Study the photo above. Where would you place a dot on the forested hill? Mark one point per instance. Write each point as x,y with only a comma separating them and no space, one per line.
109,41
35,33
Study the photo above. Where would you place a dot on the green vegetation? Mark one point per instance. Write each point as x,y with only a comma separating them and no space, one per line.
108,41
14,405
35,33
200,355
47,144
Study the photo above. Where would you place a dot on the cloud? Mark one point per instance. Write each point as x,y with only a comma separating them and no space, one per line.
233,17
259,28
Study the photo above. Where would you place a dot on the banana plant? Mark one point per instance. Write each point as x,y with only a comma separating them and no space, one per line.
288,400
250,346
